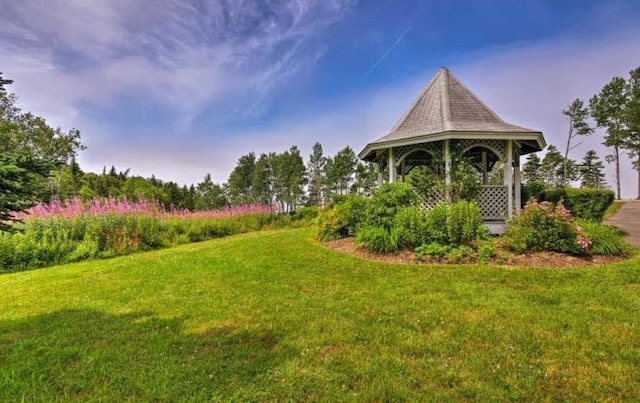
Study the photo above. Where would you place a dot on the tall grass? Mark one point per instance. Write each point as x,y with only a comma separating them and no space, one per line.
60,233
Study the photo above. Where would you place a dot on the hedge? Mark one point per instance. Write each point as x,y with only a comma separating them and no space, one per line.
584,203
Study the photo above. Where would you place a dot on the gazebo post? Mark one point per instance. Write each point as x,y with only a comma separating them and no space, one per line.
484,168
517,179
447,169
508,178
392,168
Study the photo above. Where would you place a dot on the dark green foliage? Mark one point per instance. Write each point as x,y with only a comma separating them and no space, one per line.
305,213
543,227
18,176
386,202
605,239
437,224
531,189
585,203
432,251
591,171
378,239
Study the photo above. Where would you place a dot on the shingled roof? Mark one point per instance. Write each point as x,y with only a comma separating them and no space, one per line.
446,106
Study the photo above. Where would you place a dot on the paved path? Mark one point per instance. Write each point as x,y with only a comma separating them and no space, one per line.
628,220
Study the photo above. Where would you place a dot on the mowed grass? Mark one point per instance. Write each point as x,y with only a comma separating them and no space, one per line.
275,316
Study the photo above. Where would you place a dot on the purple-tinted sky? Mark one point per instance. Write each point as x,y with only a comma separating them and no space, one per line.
180,88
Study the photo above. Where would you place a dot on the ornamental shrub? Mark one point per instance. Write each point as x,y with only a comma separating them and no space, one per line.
432,251
386,202
377,239
545,227
412,227
584,203
605,239
341,218
464,222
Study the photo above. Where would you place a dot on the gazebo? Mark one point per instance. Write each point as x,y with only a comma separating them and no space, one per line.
447,114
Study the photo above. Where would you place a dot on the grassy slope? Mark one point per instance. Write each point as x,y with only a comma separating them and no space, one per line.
276,316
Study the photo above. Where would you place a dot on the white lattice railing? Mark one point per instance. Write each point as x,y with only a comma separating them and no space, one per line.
493,202
430,200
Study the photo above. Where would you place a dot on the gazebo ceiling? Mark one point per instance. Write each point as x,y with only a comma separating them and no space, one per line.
446,109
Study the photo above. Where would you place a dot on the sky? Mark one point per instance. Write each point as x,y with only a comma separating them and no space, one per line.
182,88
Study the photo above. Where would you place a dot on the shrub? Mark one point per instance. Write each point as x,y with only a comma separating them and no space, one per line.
464,222
485,253
605,239
532,189
585,203
460,254
305,213
436,223
378,239
432,251
412,227
342,218
541,226
386,202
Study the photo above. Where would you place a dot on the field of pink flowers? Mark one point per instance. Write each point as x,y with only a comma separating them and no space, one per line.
58,232
76,207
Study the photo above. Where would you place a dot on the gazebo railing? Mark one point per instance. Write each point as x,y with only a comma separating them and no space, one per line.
492,200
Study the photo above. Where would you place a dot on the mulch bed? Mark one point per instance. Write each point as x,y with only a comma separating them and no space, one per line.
537,259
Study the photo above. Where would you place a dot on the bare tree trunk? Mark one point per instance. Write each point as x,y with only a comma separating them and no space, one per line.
564,162
617,154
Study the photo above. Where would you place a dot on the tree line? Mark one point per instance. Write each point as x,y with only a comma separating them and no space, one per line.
616,110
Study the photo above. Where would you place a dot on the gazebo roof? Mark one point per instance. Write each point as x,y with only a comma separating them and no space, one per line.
446,108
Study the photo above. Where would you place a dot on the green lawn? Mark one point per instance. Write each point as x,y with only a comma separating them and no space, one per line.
275,316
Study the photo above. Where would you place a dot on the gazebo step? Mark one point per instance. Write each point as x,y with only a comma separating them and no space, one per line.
496,227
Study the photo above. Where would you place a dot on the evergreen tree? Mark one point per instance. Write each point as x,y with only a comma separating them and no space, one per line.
531,170
551,166
340,170
591,171
262,181
366,178
209,195
316,171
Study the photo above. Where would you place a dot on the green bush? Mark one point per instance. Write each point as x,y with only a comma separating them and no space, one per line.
543,226
386,202
436,223
464,222
460,254
605,239
305,213
341,218
432,251
485,253
412,227
531,189
585,203
378,239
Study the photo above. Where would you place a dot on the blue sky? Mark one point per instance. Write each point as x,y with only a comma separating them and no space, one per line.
181,88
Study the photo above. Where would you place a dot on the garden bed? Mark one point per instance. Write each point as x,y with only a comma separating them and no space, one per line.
534,259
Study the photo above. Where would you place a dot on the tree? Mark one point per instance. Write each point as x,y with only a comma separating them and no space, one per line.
262,181
531,170
576,114
289,175
608,110
339,171
631,142
316,171
366,178
17,193
551,166
209,195
240,180
591,171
